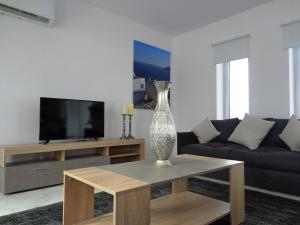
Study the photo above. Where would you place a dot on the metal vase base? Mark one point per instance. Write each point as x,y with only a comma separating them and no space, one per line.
162,163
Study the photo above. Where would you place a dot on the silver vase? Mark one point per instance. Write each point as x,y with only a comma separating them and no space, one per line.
162,130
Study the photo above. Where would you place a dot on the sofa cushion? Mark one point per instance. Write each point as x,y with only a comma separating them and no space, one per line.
205,131
272,158
251,158
213,149
251,131
225,127
291,134
279,159
272,138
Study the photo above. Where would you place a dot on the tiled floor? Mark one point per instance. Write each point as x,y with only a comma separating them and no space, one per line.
26,200
30,199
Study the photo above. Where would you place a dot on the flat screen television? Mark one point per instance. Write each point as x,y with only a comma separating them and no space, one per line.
62,119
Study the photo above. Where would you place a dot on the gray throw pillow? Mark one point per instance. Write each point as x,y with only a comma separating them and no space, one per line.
251,131
205,131
291,134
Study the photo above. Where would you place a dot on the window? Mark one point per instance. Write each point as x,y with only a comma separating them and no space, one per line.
294,55
232,64
233,89
291,42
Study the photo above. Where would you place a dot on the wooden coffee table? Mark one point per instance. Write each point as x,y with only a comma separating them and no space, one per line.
130,184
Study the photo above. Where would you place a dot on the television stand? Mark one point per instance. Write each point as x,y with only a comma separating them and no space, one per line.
41,165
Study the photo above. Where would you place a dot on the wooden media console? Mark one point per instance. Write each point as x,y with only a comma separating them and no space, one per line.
24,167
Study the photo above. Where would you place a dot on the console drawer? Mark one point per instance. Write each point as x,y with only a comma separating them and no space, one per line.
87,162
33,175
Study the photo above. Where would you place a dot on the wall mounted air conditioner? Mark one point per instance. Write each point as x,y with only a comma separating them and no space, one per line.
36,11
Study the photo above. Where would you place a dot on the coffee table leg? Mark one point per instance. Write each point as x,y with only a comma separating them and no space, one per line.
132,207
78,201
179,185
237,194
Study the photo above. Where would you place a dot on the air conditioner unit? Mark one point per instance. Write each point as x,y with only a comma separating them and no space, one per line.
36,11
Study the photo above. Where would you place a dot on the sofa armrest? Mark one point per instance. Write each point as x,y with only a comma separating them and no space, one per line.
185,138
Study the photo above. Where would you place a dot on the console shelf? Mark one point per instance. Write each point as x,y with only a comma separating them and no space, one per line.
176,209
124,155
24,167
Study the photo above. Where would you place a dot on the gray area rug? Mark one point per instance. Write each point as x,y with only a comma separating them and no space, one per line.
261,209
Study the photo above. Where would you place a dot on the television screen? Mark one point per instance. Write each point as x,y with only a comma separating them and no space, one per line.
70,119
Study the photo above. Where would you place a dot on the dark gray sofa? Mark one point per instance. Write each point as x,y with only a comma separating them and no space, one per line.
271,166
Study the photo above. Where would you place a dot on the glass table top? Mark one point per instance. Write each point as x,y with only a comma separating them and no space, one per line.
147,172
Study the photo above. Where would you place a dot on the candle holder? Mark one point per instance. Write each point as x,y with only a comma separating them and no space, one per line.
123,137
130,136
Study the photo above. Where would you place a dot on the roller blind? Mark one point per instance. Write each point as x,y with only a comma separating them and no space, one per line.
291,34
295,81
233,49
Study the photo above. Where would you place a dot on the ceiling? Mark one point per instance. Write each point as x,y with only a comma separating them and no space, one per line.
176,16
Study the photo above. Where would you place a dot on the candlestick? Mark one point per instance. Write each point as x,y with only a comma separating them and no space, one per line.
130,136
124,127
130,109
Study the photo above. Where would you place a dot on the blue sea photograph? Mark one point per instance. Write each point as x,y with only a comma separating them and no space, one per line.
150,64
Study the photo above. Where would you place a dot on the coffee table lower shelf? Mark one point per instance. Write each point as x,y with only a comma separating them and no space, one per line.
176,209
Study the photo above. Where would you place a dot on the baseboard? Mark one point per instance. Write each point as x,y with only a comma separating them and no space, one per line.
274,193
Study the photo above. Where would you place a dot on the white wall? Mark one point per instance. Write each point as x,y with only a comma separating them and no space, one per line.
194,73
88,54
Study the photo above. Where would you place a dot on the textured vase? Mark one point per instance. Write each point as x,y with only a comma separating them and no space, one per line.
162,130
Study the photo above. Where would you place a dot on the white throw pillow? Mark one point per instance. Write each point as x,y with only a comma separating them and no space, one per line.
291,134
205,131
251,131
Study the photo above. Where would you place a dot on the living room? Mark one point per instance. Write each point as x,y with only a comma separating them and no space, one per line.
223,59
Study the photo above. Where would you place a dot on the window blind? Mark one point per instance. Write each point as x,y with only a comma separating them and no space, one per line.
233,49
291,34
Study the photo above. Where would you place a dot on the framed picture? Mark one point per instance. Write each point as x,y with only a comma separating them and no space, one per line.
150,64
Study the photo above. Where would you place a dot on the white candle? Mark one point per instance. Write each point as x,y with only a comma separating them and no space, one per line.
130,109
124,110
